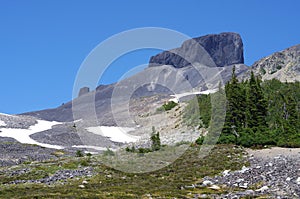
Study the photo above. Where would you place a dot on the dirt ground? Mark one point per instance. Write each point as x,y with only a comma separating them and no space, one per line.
274,152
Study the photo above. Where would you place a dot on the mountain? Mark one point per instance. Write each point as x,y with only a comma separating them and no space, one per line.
283,65
135,112
199,64
224,49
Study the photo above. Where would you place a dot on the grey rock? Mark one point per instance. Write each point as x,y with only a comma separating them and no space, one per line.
283,65
203,196
274,178
189,186
165,80
60,175
84,182
207,183
249,192
262,189
13,153
83,91
218,50
214,187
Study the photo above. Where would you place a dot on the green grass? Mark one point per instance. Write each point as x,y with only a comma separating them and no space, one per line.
164,183
166,107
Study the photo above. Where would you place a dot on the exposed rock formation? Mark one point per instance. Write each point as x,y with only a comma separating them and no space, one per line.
83,91
283,65
224,49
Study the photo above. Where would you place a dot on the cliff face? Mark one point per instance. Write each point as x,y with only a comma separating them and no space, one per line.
219,50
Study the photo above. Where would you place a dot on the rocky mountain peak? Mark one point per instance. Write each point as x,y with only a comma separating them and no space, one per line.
219,50
283,65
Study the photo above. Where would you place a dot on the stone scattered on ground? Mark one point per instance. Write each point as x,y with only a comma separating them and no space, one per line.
59,176
13,152
272,172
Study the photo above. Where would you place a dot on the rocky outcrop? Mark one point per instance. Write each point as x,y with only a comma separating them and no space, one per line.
283,65
218,50
83,91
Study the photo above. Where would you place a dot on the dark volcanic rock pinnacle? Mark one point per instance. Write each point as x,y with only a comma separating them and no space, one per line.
83,91
218,50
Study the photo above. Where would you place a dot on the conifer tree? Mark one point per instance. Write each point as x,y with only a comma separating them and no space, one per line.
256,105
235,110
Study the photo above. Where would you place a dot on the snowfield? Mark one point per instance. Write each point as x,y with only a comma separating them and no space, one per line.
23,135
114,133
4,114
176,97
2,123
98,148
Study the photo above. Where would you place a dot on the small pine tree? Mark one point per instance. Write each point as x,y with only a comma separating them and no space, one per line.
156,145
79,153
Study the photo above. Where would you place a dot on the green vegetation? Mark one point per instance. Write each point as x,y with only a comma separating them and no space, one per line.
167,106
155,144
263,71
155,139
130,149
108,152
79,153
168,182
198,112
257,113
278,67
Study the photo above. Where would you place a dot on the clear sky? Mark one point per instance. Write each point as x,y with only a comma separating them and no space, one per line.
43,43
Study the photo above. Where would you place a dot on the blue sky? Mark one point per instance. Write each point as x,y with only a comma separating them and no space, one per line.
43,43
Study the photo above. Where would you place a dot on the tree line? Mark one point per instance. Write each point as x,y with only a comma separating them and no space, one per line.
258,112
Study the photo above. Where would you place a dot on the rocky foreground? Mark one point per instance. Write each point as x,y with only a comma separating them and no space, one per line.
228,172
15,153
273,173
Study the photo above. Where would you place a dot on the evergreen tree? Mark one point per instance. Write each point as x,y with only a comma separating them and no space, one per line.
256,105
290,114
155,140
235,109
257,113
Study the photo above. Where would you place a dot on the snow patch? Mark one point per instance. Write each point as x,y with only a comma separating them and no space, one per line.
23,135
91,147
114,133
4,114
176,97
2,123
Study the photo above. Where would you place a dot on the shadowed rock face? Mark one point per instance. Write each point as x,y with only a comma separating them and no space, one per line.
224,49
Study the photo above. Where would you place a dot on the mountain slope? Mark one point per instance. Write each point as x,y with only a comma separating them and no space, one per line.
199,64
283,65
